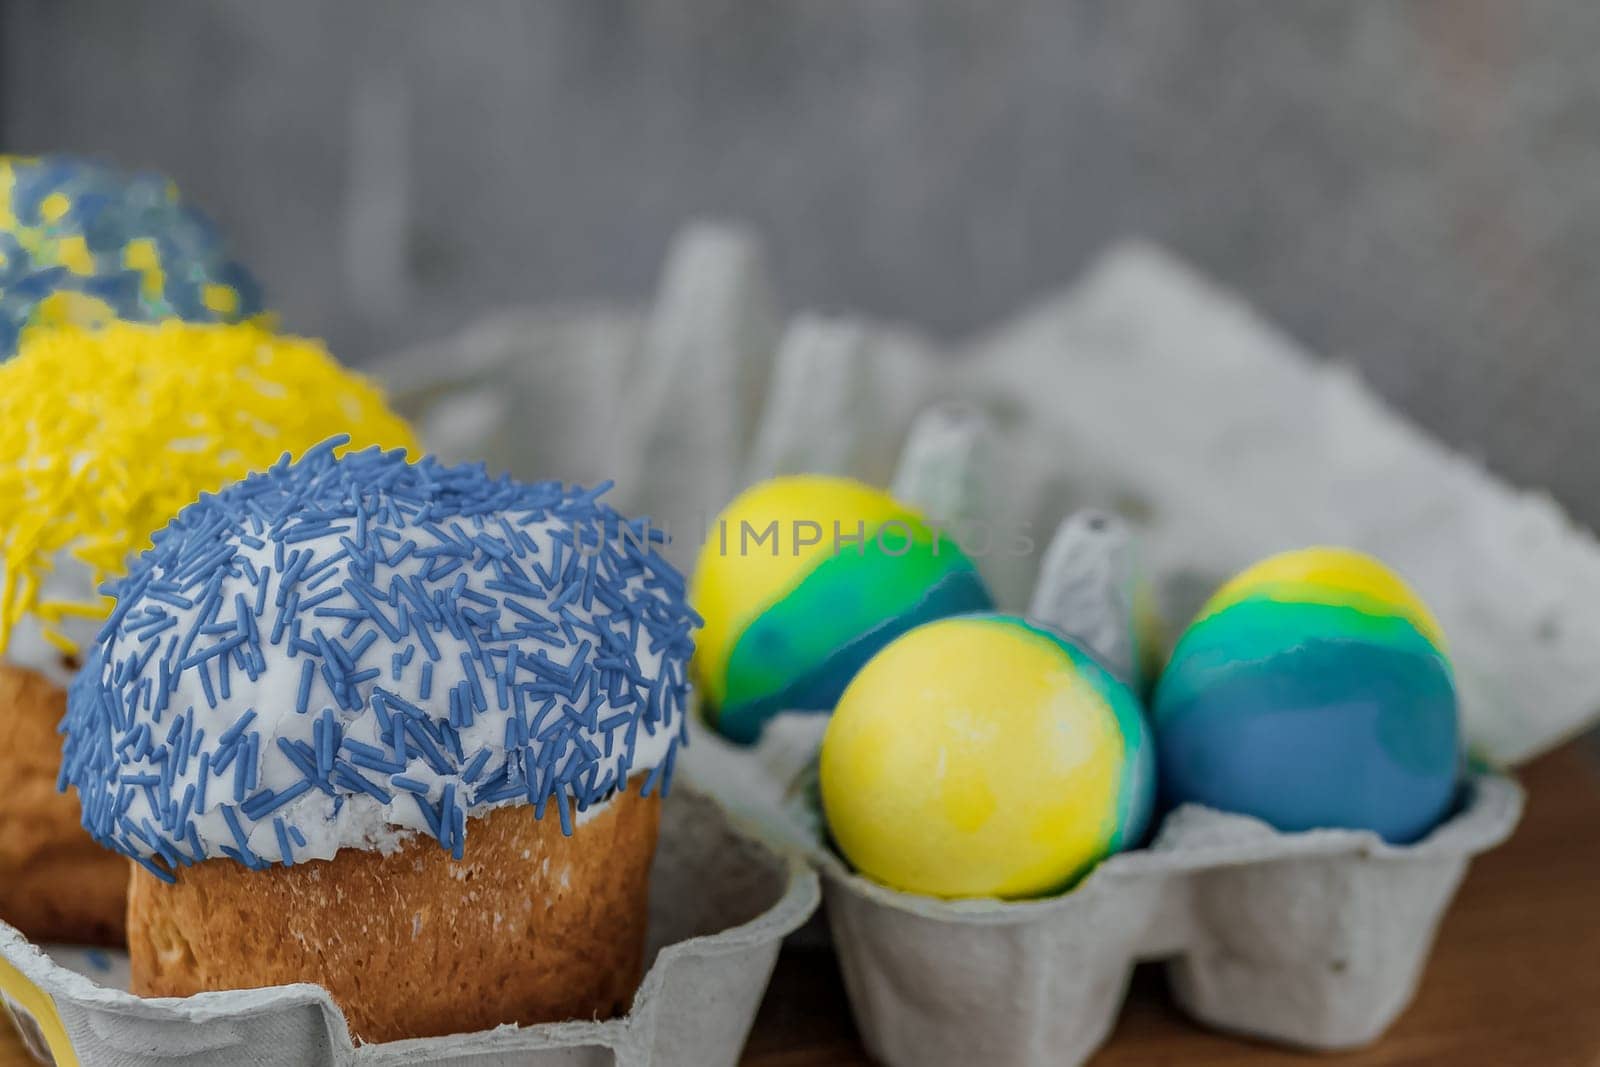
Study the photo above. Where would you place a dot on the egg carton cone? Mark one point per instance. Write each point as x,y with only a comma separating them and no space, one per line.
721,902
1089,589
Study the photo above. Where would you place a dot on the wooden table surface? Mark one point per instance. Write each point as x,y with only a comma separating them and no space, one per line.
1514,978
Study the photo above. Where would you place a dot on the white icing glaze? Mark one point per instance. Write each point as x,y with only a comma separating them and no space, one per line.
353,820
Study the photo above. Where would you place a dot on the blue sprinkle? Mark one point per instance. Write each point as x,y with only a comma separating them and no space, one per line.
239,839
160,872
372,759
475,768
355,782
566,816
428,815
204,778
234,732
283,842
303,700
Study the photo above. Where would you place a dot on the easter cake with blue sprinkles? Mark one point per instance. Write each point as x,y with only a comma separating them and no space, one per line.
333,677
84,244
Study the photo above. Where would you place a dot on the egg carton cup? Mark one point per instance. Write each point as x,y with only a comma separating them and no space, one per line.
721,902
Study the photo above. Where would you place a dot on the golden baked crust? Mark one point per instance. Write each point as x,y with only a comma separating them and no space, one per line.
56,883
530,927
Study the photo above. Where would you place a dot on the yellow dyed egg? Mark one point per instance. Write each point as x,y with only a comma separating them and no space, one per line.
801,580
984,756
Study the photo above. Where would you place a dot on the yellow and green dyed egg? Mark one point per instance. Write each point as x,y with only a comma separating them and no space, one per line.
984,756
800,581
1314,690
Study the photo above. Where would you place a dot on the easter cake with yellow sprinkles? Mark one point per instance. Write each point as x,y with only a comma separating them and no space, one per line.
105,434
81,243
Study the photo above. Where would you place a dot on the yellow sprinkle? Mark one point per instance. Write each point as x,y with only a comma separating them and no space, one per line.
141,254
107,433
8,181
220,298
61,641
67,308
56,610
74,253
54,207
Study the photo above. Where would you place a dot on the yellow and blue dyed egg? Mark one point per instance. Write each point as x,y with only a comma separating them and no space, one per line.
1314,690
82,245
984,756
800,581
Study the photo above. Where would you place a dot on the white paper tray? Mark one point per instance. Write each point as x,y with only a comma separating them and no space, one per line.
720,906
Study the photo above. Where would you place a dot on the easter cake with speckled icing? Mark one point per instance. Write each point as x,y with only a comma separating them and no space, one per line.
450,698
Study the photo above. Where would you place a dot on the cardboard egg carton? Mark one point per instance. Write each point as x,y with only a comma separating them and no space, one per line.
1143,392
721,903
1314,940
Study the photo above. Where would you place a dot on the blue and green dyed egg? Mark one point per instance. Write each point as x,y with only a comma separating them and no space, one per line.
984,756
801,580
82,244
1313,691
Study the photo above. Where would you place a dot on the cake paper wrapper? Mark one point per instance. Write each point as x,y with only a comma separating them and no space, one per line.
721,903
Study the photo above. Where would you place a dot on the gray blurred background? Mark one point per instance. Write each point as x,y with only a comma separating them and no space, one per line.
1414,187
